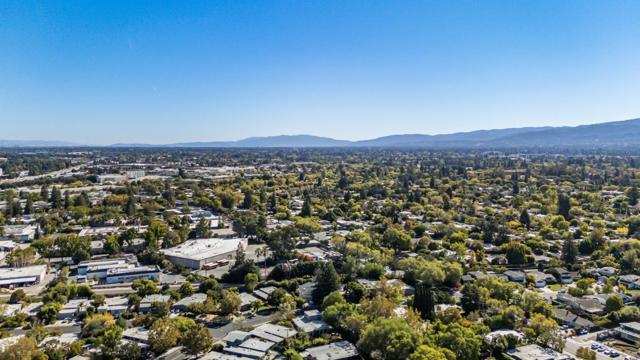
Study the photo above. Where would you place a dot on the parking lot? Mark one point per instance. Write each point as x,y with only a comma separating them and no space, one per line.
603,351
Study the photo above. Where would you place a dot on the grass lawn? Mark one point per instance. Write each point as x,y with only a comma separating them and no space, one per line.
555,287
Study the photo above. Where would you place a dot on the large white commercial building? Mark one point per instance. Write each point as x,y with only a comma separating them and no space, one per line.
24,276
195,253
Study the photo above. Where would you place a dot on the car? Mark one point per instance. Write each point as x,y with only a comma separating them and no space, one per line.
607,352
583,332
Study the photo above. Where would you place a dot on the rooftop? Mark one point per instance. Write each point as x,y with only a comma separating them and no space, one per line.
334,351
200,249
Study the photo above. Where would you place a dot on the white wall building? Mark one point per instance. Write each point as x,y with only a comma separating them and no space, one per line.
195,253
24,276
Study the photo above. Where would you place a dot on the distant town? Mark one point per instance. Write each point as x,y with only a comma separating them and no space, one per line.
318,254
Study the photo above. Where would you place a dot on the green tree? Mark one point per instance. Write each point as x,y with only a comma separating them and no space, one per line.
425,352
197,340
424,302
327,281
569,251
164,335
564,206
24,349
396,239
613,303
389,339
307,210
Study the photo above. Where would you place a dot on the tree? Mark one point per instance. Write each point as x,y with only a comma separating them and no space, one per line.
97,325
186,289
516,252
248,201
282,242
564,206
159,309
396,239
425,352
525,220
250,281
25,348
21,257
56,198
307,210
230,302
461,340
17,296
569,252
203,229
544,332
48,312
473,298
613,303
389,339
128,351
164,335
327,281
423,301
144,287
197,340
633,196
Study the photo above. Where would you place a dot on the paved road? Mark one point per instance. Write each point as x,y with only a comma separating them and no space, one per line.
52,174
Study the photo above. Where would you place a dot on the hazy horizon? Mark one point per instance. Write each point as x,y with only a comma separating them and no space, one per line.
120,72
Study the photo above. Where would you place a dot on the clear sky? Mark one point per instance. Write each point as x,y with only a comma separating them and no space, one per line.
102,72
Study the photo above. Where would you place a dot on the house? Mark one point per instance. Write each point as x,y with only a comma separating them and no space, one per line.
73,308
581,305
263,293
184,303
246,301
536,352
566,317
630,332
407,290
310,322
540,279
136,334
214,355
606,271
22,233
515,276
273,333
235,337
565,277
145,303
341,350
631,281
114,305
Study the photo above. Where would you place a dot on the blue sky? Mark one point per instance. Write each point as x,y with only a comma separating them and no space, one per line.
102,72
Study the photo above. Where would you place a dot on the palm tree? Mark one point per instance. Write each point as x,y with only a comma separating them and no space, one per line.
262,251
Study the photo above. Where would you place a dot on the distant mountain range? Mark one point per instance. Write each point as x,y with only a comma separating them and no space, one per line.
618,134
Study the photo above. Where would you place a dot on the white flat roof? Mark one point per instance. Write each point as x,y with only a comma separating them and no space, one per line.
23,272
200,249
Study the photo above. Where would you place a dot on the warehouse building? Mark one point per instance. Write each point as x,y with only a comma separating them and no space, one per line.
24,276
196,253
119,276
